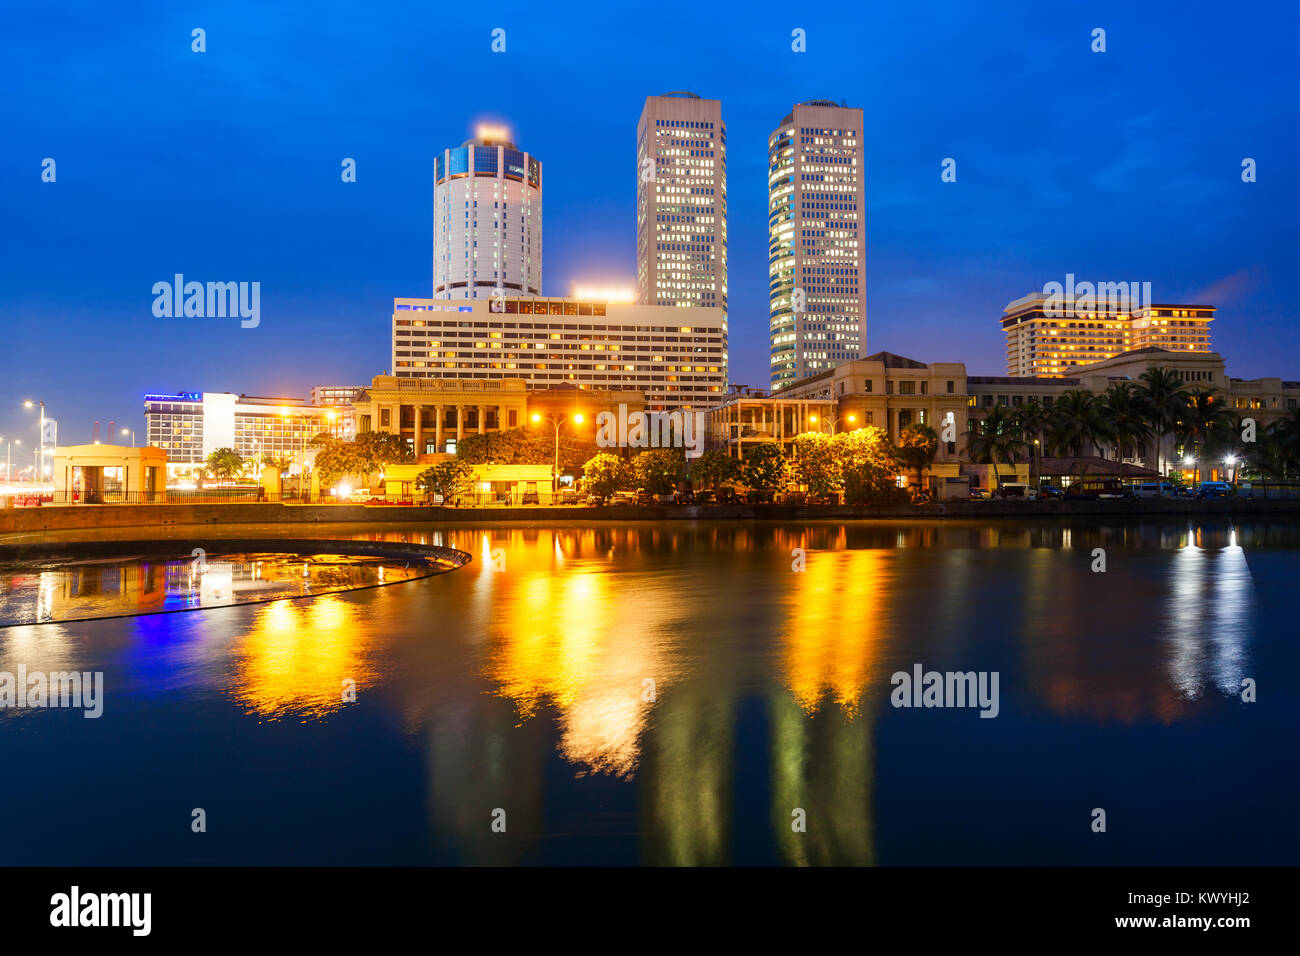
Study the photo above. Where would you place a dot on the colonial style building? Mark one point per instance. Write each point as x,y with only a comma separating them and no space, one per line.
432,414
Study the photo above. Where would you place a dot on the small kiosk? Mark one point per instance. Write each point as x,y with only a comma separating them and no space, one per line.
108,474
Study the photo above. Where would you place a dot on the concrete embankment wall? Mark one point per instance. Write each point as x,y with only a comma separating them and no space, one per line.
89,517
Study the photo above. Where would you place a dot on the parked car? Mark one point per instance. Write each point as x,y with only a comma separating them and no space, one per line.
1154,489
529,497
684,496
1016,489
831,499
1050,491
980,494
644,497
725,495
664,498
791,498
1214,489
568,496
622,498
1094,488
705,497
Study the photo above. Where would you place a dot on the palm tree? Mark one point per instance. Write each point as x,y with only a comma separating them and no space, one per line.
1166,397
995,440
1076,424
1127,416
1202,418
1030,422
1284,441
224,463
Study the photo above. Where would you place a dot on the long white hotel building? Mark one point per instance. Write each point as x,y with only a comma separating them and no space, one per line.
675,355
681,202
816,241
487,219
189,426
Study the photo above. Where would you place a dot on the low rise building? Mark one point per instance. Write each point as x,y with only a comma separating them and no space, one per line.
103,474
432,414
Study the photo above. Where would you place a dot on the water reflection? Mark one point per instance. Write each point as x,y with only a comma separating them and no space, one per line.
296,658
672,684
88,590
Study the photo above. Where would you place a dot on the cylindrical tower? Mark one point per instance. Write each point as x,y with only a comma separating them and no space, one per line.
487,219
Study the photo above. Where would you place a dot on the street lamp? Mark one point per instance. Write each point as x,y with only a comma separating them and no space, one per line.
132,431
9,450
40,438
555,421
851,419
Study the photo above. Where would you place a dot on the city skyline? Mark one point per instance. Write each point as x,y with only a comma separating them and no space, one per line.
1153,193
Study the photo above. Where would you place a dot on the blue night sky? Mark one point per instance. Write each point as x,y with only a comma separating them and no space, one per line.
225,166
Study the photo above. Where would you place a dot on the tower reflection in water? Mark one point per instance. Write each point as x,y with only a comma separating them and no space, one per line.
693,673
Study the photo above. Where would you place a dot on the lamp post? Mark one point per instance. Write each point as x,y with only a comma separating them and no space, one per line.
132,431
40,438
851,419
556,421
9,460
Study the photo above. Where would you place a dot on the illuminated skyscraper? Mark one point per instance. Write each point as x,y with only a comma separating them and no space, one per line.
487,219
681,202
816,242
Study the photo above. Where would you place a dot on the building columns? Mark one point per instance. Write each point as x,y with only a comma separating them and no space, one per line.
481,409
460,424
437,432
419,429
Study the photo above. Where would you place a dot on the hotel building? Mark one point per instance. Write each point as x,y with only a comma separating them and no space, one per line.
1047,341
681,202
487,219
816,241
189,426
676,356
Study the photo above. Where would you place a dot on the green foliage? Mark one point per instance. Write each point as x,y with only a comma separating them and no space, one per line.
605,474
659,470
763,468
223,463
377,449
714,467
453,479
868,465
815,463
527,446
917,447
362,457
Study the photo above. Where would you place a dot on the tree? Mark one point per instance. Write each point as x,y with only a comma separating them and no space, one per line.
1203,416
917,446
714,467
528,446
1075,424
815,464
868,464
224,463
659,470
377,449
763,469
605,474
1166,396
337,459
1029,422
1284,443
995,440
1128,418
452,479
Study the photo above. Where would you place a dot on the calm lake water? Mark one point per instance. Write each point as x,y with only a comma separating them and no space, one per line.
679,693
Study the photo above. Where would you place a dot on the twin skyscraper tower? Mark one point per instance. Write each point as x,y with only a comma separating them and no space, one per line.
816,200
